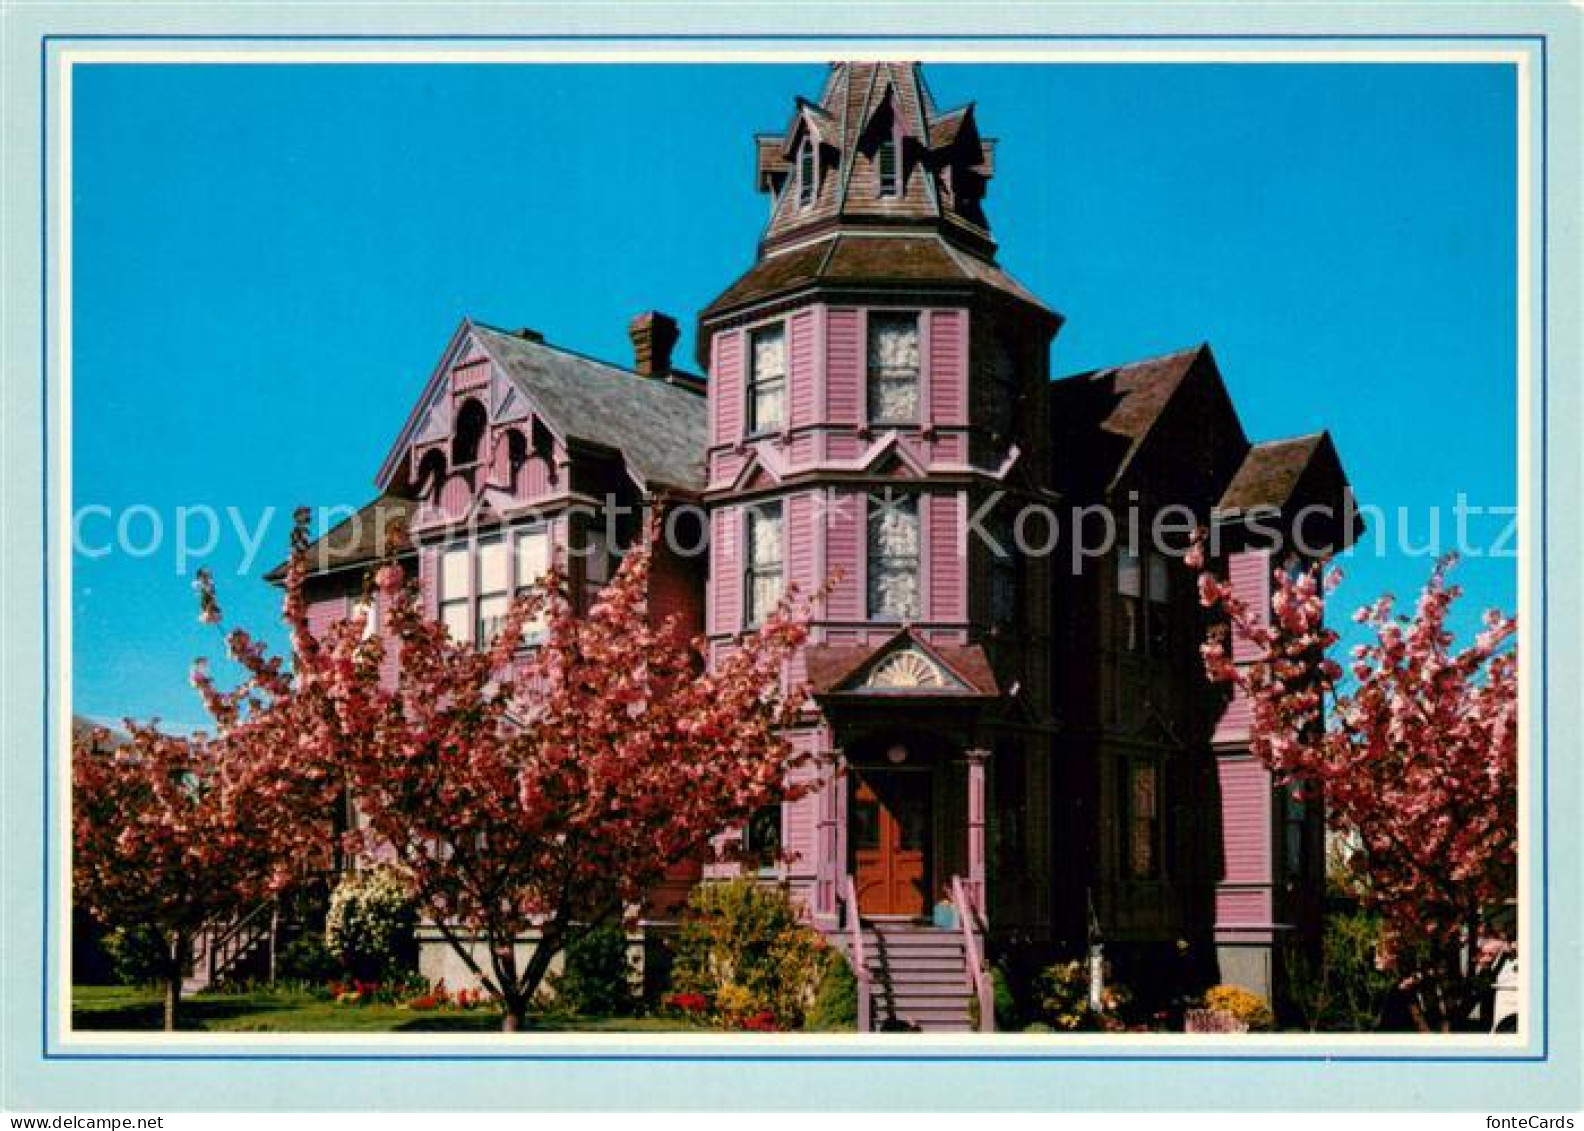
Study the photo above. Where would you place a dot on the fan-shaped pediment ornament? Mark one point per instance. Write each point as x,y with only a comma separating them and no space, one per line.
908,670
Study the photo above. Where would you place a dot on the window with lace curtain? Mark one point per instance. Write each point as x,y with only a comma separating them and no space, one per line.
893,368
763,581
893,560
1141,804
767,379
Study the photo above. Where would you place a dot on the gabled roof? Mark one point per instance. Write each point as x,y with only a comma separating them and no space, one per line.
659,428
1111,412
1269,473
837,669
658,425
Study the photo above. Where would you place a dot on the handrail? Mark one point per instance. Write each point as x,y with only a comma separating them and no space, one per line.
860,961
229,941
978,976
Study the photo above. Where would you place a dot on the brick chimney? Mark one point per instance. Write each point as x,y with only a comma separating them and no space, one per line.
654,336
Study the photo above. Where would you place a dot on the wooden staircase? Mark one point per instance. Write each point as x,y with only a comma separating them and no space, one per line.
918,978
238,948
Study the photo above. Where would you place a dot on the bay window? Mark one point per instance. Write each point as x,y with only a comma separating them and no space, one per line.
894,546
893,379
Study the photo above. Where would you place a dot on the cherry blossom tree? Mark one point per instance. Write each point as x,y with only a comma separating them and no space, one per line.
174,833
524,793
1413,747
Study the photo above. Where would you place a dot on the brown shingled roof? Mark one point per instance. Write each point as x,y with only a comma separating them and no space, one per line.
1123,402
867,260
1269,473
354,541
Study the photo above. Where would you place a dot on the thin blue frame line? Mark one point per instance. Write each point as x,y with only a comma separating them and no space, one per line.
1545,601
986,37
1545,829
44,511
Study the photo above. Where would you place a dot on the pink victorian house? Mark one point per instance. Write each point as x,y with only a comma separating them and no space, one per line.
1015,750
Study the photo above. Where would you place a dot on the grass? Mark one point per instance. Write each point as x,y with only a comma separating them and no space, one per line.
275,1009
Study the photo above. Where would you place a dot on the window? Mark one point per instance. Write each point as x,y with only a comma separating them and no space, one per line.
1142,822
1144,602
762,838
468,433
1295,812
889,168
894,368
1003,389
1160,636
807,186
767,379
494,590
893,557
762,586
456,592
1004,570
531,551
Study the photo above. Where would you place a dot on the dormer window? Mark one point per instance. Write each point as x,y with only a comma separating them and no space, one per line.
808,185
888,166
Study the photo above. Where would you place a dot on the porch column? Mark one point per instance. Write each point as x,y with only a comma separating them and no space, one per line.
976,828
827,865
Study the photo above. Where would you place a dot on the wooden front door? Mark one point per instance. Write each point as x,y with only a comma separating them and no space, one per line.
890,838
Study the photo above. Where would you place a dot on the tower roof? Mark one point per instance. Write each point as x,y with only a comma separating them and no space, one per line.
874,149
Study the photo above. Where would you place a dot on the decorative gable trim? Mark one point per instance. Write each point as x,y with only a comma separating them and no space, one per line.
888,452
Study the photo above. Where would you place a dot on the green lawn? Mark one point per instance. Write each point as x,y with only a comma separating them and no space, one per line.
276,1010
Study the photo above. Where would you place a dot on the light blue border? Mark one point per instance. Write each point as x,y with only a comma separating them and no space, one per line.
1545,1075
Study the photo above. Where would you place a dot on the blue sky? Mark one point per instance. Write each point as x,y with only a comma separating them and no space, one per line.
269,260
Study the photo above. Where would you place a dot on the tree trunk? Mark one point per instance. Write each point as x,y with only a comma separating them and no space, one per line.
174,973
515,1015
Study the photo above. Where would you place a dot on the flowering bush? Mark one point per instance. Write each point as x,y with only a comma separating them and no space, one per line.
1063,993
687,1005
1248,1007
370,925
743,946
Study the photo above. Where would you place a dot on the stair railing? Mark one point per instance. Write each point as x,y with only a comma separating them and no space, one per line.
225,945
973,956
860,961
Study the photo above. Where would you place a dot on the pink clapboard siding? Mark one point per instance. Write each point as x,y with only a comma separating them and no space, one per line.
325,612
1249,574
844,548
1245,841
803,378
948,366
800,820
725,612
844,367
801,541
428,584
946,572
726,383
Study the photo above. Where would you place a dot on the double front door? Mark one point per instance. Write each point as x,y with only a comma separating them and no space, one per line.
889,834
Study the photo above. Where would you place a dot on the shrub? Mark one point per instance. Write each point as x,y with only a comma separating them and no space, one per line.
1344,991
835,1006
370,925
596,979
742,946
306,959
1006,1008
1245,1005
138,954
